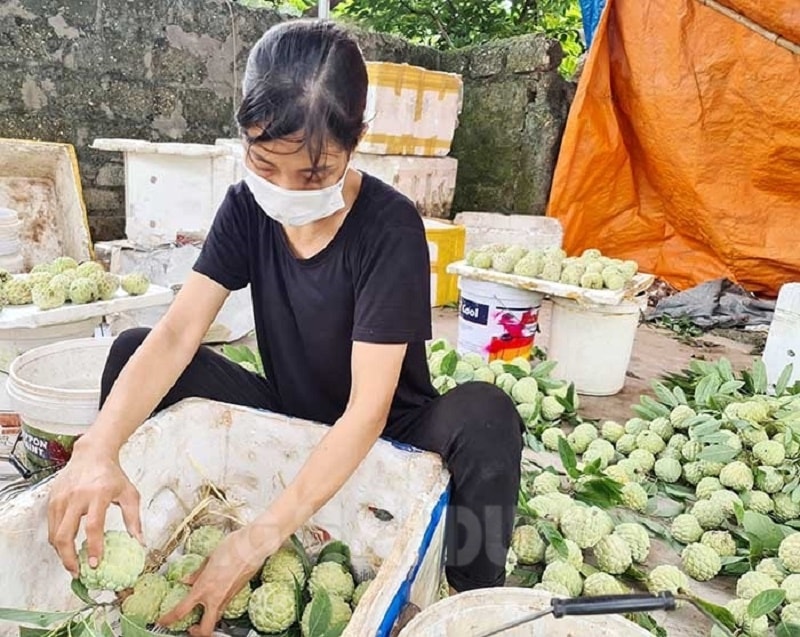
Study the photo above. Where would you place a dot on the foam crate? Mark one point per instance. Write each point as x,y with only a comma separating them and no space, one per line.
411,110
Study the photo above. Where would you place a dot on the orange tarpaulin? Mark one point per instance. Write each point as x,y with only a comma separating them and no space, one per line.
682,147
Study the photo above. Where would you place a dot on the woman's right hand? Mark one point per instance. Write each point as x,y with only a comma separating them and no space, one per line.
91,481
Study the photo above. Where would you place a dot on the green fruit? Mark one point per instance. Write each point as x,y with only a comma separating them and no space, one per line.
666,578
83,290
772,567
721,541
174,597
668,470
726,500
626,444
791,586
737,475
752,583
239,603
637,539
272,607
528,544
585,526
686,529
706,487
48,297
758,501
359,592
203,540
334,579
753,627
680,416
550,438
709,514
564,574
700,562
574,554
634,497
603,584
643,458
339,616
613,554
789,552
120,566
612,431
650,441
546,482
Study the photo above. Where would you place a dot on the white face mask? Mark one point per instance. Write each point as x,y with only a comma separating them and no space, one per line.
295,207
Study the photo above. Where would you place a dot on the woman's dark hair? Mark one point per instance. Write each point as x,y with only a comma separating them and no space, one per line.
309,76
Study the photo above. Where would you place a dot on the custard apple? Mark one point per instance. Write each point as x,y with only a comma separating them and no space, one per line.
550,438
668,470
673,453
752,583
634,497
785,508
184,565
359,591
528,544
663,428
473,359
731,440
483,375
637,539
144,604
711,468
612,431
107,285
613,554
585,526
752,626
18,291
203,540
791,586
706,487
634,471
135,283
790,615
482,260
120,566
551,408
284,566
238,604
635,426
769,480
721,541
174,597
579,441
680,415
574,554
772,567
603,584
506,382
444,384
650,441
789,552
526,411
503,262
725,500
273,607
691,450
47,297
618,474
677,441
758,501
88,268
700,562
643,458
546,482
334,579
339,617
62,264
666,577
737,475
565,574
600,448
686,529
83,290
554,588
709,514
626,444
525,390
39,278
693,472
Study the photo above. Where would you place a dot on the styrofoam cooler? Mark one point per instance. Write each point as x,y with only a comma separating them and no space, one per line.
251,455
530,231
783,340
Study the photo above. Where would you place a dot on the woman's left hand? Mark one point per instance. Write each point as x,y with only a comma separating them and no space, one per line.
227,570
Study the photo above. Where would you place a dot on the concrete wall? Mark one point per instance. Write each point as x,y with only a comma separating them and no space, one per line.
76,70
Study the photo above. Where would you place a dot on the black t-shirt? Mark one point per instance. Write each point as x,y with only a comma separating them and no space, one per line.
370,283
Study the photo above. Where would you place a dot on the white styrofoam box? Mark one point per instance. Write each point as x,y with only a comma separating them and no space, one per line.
531,231
411,110
169,266
171,189
430,182
783,340
41,182
251,456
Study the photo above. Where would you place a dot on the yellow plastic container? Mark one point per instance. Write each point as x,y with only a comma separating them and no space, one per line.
446,246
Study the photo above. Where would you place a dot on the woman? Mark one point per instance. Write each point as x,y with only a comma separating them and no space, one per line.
338,266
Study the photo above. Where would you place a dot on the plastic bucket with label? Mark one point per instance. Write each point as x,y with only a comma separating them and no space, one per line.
55,389
498,322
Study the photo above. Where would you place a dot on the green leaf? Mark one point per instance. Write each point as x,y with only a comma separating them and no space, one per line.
449,363
720,615
553,537
724,369
718,453
543,369
438,344
706,388
335,551
766,602
664,395
301,551
568,459
106,630
319,618
699,431
644,412
678,491
601,492
654,406
783,380
762,531
735,565
731,387
759,376
81,592
787,630
36,618
680,396
516,372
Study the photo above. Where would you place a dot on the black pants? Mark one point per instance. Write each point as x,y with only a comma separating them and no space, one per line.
475,428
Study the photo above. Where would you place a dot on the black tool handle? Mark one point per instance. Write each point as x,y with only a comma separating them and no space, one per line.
612,604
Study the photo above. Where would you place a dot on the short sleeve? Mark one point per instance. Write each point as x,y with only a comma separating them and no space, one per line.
224,256
392,294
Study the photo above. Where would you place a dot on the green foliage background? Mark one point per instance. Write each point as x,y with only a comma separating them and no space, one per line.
454,24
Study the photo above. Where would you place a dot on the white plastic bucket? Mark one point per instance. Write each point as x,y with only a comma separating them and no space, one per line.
480,611
498,322
783,341
18,340
55,389
592,344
